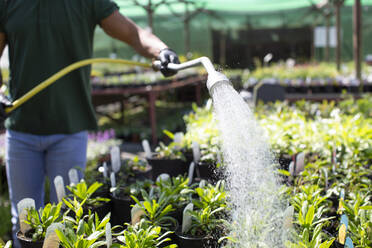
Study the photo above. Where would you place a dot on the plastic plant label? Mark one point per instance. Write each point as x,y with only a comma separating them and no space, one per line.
186,218
162,177
136,213
196,152
22,206
60,187
300,162
73,176
344,220
325,178
115,159
191,172
146,148
51,238
291,168
334,161
219,159
349,243
178,137
202,184
105,170
288,217
113,179
342,234
108,235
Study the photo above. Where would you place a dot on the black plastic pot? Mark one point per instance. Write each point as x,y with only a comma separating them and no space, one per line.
207,171
27,242
143,175
173,167
172,236
184,241
101,210
336,244
120,210
284,161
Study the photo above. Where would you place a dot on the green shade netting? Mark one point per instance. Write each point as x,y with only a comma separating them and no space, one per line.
237,6
233,15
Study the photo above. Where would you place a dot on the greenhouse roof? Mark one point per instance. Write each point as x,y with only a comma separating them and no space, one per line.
238,6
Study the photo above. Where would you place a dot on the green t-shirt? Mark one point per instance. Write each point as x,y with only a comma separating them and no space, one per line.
45,36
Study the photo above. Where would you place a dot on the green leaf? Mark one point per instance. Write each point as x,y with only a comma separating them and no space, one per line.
169,134
327,244
366,207
284,172
310,215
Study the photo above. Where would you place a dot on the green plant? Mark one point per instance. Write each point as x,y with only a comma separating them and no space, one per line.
5,217
144,236
156,211
176,189
39,221
136,164
5,245
205,221
71,239
133,189
83,193
359,212
170,151
211,196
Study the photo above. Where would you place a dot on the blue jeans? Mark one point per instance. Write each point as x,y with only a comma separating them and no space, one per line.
29,158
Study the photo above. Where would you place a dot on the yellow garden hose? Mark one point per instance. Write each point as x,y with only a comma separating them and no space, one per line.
66,70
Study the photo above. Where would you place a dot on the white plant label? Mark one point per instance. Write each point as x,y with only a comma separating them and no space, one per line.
291,168
108,235
147,148
136,213
288,217
162,177
300,162
191,172
105,170
51,238
186,218
115,159
196,152
113,180
325,177
219,159
22,206
202,184
178,139
60,187
73,176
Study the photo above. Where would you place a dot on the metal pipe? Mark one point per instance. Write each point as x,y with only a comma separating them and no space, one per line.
188,64
213,76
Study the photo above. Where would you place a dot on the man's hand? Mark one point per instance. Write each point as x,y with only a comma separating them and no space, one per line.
167,56
4,103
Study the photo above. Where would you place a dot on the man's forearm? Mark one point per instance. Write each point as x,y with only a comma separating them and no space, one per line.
143,41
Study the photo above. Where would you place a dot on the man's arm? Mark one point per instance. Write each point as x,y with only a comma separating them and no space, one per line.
2,46
124,29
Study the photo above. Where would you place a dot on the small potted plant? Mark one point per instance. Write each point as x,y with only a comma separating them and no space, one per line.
39,221
143,235
205,223
135,169
122,201
82,193
168,159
